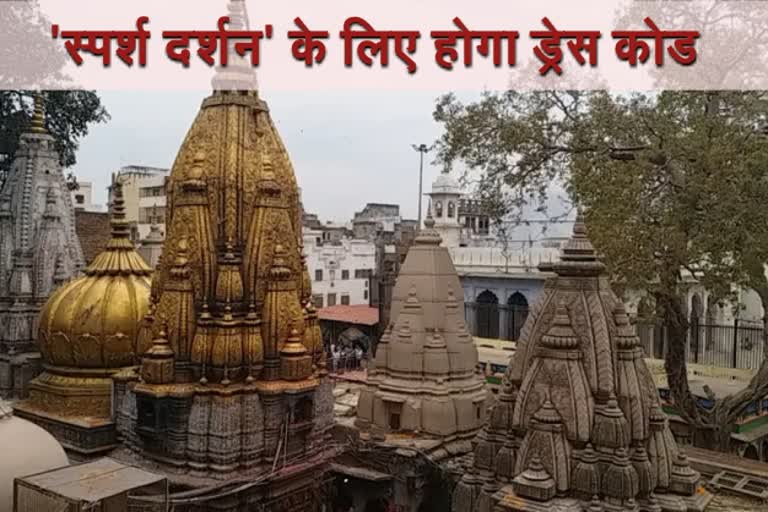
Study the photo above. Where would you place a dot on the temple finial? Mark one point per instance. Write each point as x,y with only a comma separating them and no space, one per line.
579,225
38,117
117,220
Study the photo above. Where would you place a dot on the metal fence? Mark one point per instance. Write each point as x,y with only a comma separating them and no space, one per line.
737,345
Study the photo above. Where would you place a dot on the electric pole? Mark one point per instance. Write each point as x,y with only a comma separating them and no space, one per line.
423,150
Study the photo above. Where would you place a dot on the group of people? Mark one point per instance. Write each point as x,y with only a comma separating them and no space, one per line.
346,358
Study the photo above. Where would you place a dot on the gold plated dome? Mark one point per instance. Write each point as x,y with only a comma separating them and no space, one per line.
93,321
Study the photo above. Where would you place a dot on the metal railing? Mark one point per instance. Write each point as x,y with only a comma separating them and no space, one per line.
736,345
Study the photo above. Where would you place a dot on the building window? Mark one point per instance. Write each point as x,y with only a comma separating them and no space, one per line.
331,299
365,293
79,199
345,300
438,209
450,210
332,273
366,284
319,275
317,301
151,191
362,273
152,215
345,275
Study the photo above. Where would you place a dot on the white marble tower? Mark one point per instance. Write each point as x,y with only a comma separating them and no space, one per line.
444,208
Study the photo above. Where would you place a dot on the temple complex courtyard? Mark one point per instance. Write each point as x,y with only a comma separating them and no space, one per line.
209,344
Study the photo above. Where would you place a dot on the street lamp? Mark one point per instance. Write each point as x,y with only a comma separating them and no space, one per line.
423,150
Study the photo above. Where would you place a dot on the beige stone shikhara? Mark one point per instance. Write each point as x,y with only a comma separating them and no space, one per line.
578,424
425,377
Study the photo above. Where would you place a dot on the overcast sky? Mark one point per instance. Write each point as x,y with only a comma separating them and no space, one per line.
347,148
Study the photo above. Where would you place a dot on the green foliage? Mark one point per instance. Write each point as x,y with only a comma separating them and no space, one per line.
673,185
68,117
674,180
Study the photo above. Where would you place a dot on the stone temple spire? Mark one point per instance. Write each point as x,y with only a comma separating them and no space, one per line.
578,423
38,247
152,245
425,370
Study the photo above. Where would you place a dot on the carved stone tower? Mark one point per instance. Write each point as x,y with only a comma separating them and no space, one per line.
578,423
234,385
425,378
151,247
39,249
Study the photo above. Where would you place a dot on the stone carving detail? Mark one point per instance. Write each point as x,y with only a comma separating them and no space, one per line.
39,249
425,377
578,424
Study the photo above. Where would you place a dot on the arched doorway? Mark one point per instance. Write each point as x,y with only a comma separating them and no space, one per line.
697,312
487,315
516,315
751,453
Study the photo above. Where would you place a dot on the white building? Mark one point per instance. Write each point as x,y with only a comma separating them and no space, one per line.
82,197
144,193
500,276
340,270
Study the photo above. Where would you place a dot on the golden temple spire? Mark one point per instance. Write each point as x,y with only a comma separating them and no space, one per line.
38,117
120,256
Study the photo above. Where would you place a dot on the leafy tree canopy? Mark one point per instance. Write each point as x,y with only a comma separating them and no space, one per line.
672,184
68,116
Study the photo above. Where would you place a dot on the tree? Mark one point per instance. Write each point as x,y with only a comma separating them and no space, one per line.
30,58
68,117
671,183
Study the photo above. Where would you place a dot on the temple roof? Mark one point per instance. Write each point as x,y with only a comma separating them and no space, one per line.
445,184
37,231
426,358
101,311
578,384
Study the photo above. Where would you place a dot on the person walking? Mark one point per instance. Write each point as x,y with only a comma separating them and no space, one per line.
335,358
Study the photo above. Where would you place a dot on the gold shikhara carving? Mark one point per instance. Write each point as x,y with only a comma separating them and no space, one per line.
232,286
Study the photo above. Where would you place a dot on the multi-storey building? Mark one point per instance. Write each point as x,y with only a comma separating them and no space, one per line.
340,268
145,201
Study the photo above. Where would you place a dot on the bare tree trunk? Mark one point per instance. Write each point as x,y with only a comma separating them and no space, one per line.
674,319
728,409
